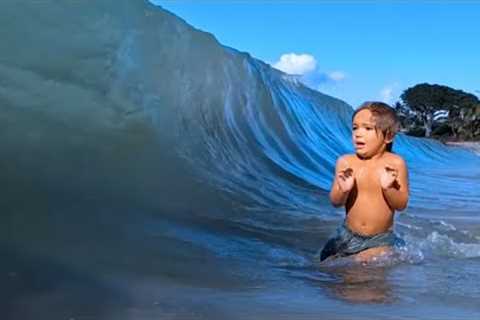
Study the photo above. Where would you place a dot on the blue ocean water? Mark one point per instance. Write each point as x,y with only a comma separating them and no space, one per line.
150,173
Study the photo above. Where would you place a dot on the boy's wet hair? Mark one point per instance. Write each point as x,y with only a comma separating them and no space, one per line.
385,118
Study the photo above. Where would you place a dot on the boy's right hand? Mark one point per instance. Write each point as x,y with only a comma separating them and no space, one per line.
346,180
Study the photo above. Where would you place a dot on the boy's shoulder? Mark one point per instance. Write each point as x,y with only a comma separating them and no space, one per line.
346,157
346,161
394,158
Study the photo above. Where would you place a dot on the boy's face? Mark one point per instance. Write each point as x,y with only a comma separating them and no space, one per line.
366,139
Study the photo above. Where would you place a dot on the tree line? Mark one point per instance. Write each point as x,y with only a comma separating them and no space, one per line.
441,112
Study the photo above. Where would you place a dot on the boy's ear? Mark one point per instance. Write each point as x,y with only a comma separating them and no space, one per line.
389,137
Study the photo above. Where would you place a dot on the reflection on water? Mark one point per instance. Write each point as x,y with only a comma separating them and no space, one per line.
351,281
360,284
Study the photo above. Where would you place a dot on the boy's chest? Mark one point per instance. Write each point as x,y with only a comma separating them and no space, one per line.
367,177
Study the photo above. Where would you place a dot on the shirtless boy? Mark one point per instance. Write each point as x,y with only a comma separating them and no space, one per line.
371,184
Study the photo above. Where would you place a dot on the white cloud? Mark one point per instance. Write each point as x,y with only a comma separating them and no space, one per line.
390,93
337,75
298,64
304,68
386,94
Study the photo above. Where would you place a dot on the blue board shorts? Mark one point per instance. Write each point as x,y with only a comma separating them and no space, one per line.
345,242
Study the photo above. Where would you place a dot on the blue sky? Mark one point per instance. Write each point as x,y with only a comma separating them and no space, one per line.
355,51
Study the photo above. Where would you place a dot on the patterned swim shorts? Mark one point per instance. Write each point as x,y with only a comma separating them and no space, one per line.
346,242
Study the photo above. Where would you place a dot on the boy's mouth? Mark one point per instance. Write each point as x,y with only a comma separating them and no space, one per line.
359,144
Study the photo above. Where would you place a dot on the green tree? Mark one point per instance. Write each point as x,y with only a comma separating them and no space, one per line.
408,119
425,99
465,122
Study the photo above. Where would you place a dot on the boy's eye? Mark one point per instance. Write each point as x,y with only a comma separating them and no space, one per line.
369,128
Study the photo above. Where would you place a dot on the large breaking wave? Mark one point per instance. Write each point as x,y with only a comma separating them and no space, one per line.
114,98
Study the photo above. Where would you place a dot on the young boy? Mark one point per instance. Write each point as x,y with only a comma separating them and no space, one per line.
371,184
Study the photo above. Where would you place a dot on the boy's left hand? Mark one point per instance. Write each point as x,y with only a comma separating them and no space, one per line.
388,177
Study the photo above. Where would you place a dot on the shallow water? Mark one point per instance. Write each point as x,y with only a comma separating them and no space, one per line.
143,268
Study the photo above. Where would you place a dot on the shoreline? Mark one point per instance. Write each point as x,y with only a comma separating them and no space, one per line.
471,145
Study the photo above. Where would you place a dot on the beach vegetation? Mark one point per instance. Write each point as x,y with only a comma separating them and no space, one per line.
438,111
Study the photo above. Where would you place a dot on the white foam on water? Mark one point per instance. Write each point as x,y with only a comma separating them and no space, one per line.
443,245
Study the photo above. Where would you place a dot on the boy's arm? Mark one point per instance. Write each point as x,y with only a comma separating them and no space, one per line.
396,195
338,197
